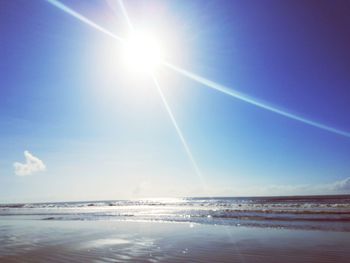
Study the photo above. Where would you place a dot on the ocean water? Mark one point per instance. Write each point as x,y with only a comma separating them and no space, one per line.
302,212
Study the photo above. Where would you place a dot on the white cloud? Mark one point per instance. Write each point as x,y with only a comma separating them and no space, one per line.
32,165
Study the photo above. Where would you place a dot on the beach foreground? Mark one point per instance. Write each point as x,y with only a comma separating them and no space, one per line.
27,240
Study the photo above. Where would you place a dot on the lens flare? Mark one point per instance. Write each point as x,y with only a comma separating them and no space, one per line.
179,133
83,19
253,101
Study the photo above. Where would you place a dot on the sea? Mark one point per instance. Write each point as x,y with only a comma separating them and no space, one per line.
330,213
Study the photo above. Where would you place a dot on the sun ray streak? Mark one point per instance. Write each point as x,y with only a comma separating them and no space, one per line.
125,13
179,132
253,101
168,109
83,19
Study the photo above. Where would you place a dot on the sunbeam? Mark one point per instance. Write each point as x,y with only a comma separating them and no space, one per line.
179,132
199,79
83,19
125,13
253,101
167,107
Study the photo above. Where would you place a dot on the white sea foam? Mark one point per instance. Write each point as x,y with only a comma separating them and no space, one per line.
308,212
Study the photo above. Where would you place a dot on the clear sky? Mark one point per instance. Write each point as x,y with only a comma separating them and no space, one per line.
94,129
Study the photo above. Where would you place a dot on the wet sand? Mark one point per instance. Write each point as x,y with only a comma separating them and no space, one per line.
27,240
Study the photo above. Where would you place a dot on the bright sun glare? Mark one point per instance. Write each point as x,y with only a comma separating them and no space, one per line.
142,52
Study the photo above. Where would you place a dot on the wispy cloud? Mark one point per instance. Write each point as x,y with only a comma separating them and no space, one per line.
336,187
32,165
342,186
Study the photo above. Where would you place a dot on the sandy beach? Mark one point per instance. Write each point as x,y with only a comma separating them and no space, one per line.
26,240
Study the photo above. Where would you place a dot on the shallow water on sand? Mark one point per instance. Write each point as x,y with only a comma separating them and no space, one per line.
26,240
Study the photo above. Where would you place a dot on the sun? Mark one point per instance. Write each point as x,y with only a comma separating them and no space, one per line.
142,52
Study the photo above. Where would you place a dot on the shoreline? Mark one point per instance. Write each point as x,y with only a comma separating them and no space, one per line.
323,212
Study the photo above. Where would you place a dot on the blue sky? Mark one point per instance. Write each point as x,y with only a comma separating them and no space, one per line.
102,132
